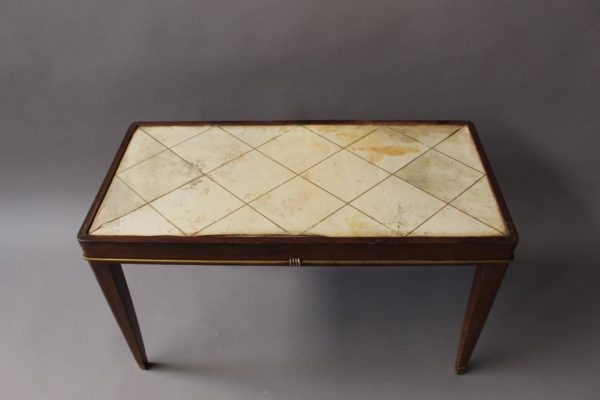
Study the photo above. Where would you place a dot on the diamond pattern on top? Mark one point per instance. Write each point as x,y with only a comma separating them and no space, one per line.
452,222
245,220
345,175
211,149
299,149
479,202
251,175
255,135
349,218
158,175
196,205
426,133
439,175
342,135
287,179
461,147
398,205
140,148
388,149
119,200
144,221
296,205
170,135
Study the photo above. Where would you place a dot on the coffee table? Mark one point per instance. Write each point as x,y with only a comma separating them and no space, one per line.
300,193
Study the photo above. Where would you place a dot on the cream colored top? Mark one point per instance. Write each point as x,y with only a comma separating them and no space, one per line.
330,180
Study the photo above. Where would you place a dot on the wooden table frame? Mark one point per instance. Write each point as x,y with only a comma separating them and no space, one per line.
491,254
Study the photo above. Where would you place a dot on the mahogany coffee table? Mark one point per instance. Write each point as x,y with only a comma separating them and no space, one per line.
300,193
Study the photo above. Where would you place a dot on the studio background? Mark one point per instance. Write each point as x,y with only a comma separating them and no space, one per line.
74,74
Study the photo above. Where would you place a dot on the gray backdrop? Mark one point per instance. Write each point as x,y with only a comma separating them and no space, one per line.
74,74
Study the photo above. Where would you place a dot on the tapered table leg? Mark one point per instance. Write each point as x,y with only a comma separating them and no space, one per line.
114,286
486,283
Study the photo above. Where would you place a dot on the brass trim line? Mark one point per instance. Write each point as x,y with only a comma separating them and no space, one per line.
289,262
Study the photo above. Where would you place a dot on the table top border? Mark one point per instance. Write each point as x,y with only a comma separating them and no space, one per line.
85,238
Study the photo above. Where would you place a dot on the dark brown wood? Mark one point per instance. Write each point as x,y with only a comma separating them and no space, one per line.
492,254
323,253
223,249
114,286
486,283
